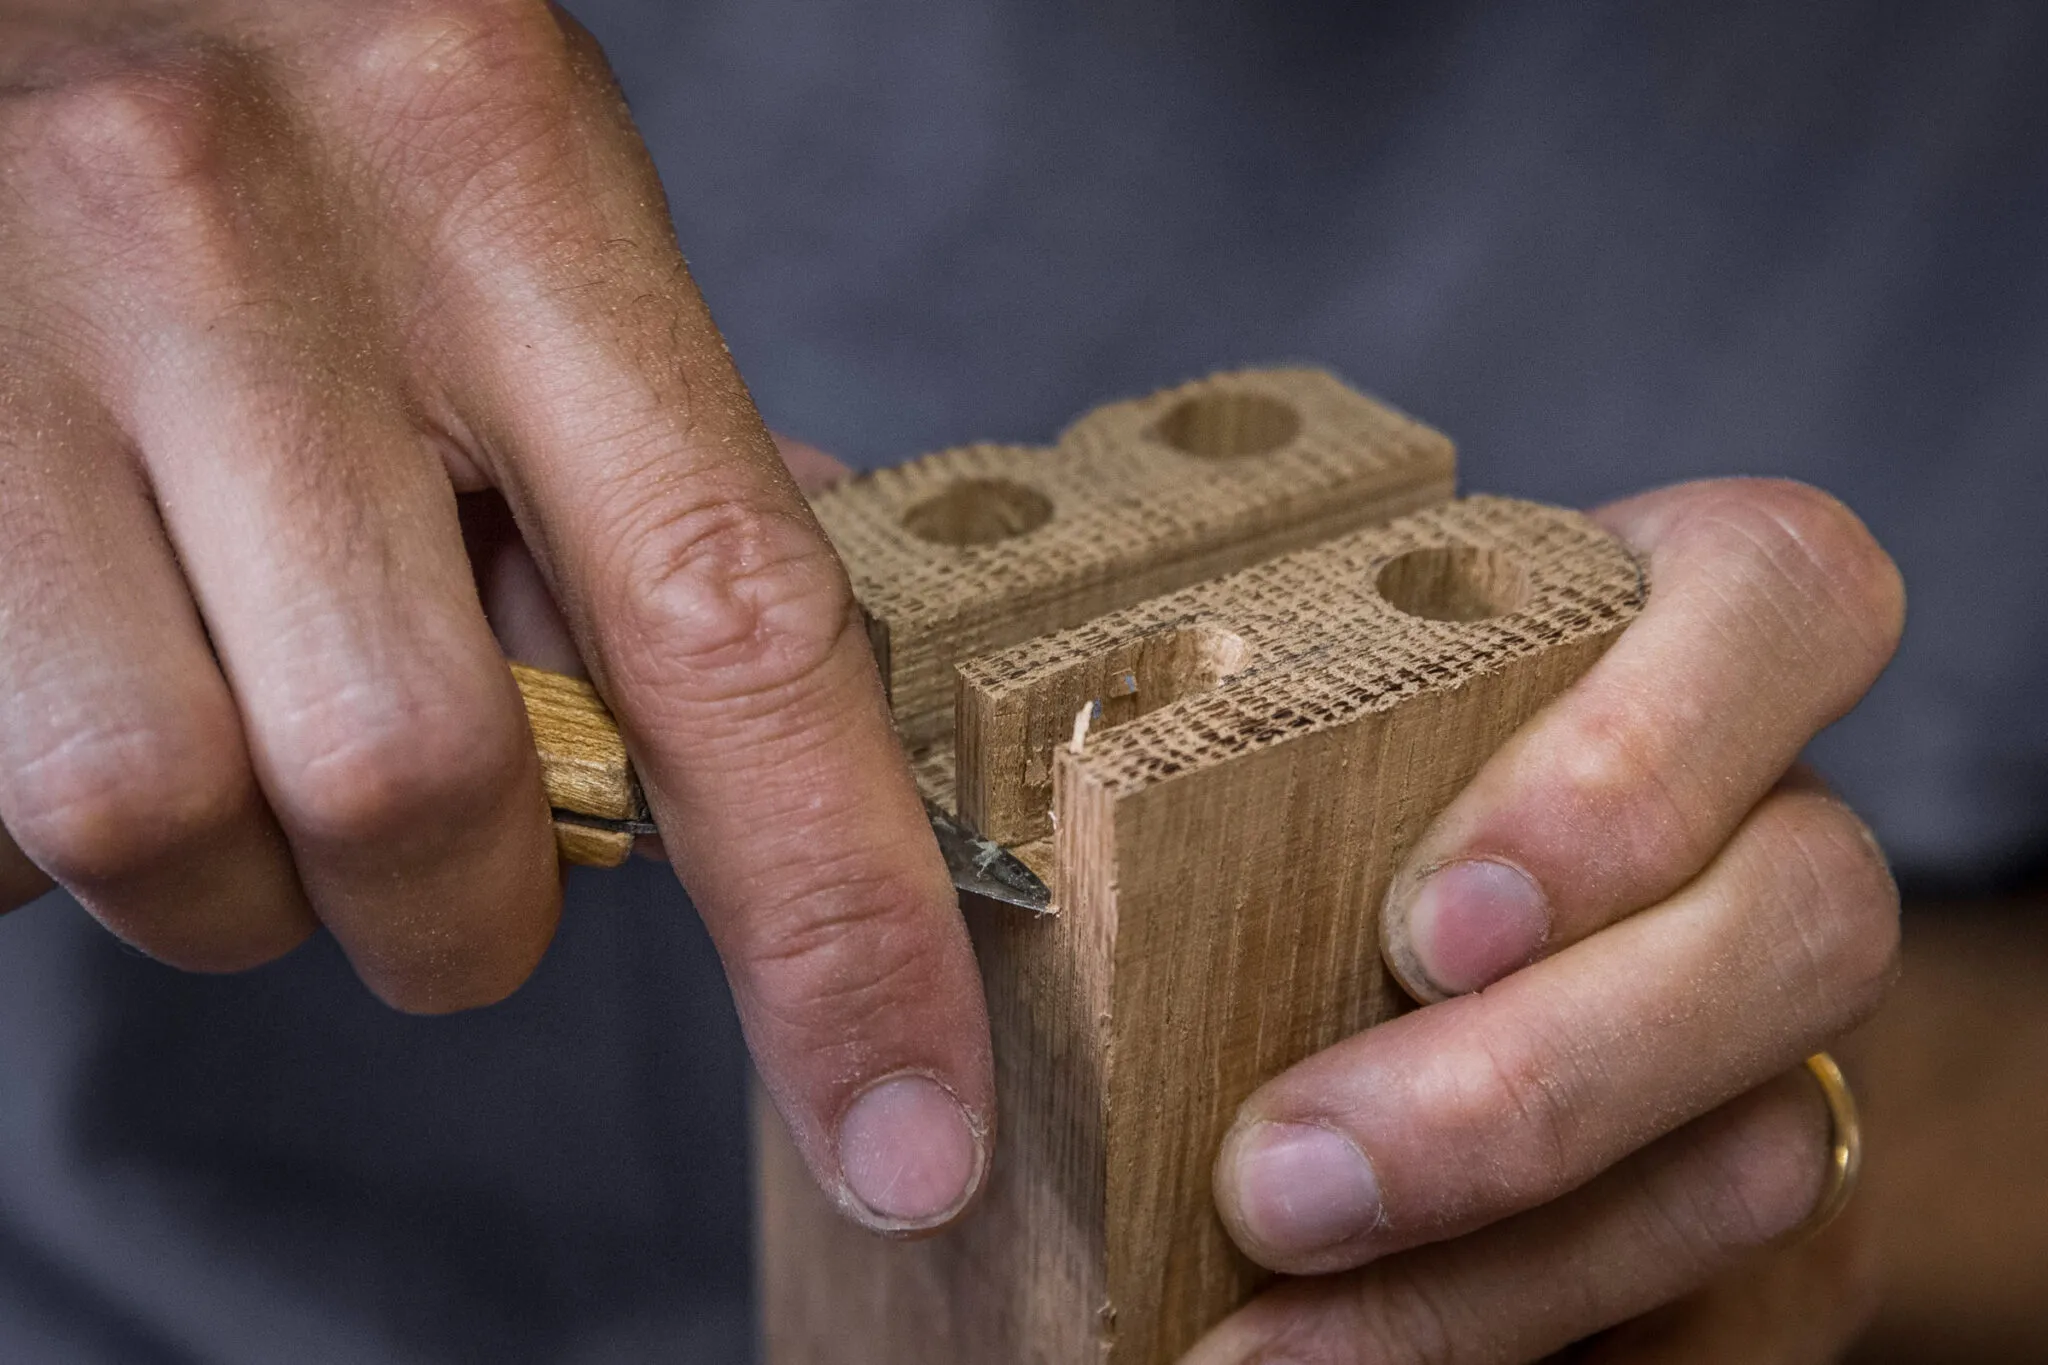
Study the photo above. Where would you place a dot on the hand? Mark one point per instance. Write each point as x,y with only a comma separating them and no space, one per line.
1635,923
278,280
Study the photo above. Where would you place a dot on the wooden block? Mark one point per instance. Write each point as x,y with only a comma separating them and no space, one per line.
972,549
591,846
1223,843
583,765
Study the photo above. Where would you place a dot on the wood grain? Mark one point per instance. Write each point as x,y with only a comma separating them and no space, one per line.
583,765
1264,749
973,549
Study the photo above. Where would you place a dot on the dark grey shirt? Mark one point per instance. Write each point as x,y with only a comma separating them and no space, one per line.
1603,246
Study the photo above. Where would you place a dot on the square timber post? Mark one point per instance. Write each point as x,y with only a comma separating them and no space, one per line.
1210,666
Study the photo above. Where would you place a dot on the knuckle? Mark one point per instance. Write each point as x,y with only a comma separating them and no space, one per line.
102,807
1407,1317
1617,774
1817,560
145,126
828,963
393,763
1754,1177
1515,1096
462,44
1692,1219
1839,900
134,169
726,603
487,77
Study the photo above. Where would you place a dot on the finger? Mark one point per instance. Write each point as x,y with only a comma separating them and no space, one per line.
1803,1305
123,772
1771,611
1667,1221
814,471
1462,1113
720,627
522,612
385,726
316,527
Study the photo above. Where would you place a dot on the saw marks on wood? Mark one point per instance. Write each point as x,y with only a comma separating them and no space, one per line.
976,548
1260,751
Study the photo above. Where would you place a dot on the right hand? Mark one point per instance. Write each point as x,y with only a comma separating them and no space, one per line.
278,279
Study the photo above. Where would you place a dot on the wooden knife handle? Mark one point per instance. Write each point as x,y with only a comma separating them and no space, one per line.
583,765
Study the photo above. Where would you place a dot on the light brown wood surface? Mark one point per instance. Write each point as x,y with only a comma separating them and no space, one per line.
583,765
1262,749
969,550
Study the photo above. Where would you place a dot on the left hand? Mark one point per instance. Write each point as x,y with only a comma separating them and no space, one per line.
1635,923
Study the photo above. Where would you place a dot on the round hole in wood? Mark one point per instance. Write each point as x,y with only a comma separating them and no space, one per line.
1454,583
978,512
1225,423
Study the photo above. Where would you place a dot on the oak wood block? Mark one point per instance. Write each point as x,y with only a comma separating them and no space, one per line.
1260,751
968,550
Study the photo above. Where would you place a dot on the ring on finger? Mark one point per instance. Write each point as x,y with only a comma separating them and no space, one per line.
1845,1150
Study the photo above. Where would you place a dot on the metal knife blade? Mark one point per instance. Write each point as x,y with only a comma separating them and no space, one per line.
978,865
985,867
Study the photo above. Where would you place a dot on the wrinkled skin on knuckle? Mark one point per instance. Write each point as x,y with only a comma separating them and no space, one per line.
1608,779
454,47
1795,550
383,765
463,108
824,965
106,804
1401,1315
1756,1175
1465,1084
1519,1099
725,605
132,820
1845,563
1840,900
142,150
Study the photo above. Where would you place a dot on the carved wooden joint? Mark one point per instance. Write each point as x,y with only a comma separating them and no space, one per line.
1212,681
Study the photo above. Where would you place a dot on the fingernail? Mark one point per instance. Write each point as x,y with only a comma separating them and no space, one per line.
1473,922
909,1152
1301,1188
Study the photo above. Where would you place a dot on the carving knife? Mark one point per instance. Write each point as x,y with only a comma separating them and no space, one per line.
599,809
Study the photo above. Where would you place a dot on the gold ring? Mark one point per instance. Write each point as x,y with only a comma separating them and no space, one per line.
1845,1150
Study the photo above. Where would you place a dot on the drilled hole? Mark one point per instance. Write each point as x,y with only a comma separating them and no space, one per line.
1454,583
1226,423
978,512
